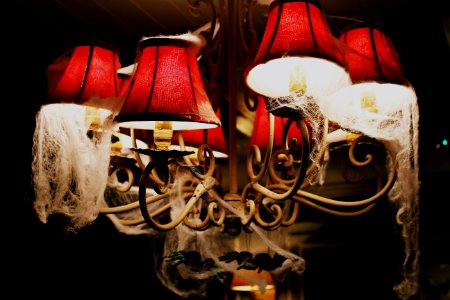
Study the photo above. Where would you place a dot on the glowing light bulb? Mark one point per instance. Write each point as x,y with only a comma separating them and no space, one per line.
116,143
444,142
369,102
297,81
92,117
92,120
163,134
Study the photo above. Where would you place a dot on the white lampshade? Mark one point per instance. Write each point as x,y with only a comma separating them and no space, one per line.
347,108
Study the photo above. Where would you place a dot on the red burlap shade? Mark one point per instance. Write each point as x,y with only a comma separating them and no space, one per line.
84,76
296,28
213,137
371,56
167,86
260,133
298,54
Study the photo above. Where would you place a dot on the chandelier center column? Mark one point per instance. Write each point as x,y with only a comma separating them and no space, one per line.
230,46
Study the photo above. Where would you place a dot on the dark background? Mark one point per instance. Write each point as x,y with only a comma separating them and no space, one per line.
47,261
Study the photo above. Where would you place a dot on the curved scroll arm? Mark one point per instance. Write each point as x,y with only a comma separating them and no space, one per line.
254,155
120,163
351,178
131,206
250,102
154,176
354,161
199,191
202,225
293,215
306,197
351,154
135,205
281,156
207,160
285,216
333,211
284,155
209,32
299,177
247,217
125,187
276,212
213,206
210,217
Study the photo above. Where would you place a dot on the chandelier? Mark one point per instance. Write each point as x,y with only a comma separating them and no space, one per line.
144,145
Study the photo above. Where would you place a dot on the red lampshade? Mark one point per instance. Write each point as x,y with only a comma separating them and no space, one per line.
167,86
251,280
296,28
124,83
379,91
296,43
213,137
260,133
87,75
371,56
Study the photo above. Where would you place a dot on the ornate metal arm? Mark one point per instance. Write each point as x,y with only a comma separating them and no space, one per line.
278,182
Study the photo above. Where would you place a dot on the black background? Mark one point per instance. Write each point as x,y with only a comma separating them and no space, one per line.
46,261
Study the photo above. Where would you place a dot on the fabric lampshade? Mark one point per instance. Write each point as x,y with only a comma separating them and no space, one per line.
260,132
371,56
298,53
124,83
251,280
379,88
167,86
87,75
213,137
72,138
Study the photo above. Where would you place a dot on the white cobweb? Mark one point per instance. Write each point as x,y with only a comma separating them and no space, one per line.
207,243
70,169
395,121
114,198
306,105
210,244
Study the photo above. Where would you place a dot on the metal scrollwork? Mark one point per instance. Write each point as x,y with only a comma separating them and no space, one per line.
278,179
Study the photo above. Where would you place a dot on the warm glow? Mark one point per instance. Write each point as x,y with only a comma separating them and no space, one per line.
249,288
93,116
305,101
315,75
252,280
354,101
217,154
369,101
176,125
124,144
163,134
297,80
